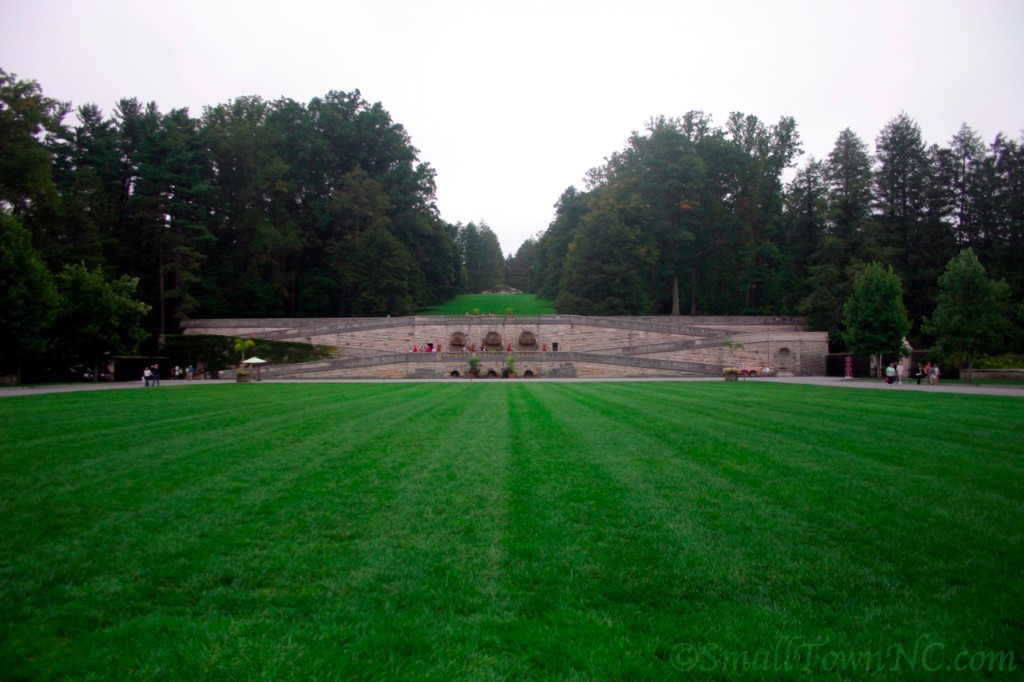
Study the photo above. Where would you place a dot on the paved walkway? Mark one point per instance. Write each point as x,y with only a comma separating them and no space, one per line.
1009,391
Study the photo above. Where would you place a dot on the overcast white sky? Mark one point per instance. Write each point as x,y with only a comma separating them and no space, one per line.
512,102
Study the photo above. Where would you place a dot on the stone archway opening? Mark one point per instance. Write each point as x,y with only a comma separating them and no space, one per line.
457,342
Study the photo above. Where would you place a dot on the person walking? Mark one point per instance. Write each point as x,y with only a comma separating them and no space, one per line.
899,373
890,374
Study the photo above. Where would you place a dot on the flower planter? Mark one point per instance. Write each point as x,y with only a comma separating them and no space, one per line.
732,376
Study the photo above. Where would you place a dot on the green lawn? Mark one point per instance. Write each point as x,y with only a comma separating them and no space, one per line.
511,530
499,304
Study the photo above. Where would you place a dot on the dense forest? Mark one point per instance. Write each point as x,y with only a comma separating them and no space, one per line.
695,218
278,208
254,209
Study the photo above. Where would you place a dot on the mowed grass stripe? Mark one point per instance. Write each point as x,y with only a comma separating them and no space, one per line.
426,575
249,511
498,530
583,578
867,524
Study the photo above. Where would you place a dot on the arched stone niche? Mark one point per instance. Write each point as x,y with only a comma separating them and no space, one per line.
527,341
492,341
457,341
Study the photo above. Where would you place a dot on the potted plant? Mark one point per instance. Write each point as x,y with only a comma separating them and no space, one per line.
510,367
732,373
474,366
243,376
242,345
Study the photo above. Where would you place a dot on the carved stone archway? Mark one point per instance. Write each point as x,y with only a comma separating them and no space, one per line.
457,342
527,341
492,341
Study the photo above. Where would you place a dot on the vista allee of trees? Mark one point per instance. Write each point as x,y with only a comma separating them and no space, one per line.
278,208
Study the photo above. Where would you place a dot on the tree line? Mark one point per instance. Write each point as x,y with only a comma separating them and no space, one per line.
695,218
279,208
254,209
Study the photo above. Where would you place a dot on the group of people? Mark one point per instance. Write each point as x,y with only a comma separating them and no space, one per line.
151,374
895,371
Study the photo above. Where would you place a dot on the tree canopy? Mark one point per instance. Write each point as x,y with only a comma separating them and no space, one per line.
731,224
874,315
270,208
972,313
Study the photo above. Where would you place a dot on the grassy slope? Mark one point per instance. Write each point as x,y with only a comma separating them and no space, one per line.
502,530
499,304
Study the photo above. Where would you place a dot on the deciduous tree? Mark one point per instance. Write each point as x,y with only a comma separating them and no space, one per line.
97,318
874,315
28,298
973,312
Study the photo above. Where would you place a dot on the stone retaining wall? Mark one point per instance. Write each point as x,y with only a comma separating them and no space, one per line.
768,342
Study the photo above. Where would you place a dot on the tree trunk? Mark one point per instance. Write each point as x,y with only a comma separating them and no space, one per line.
160,289
675,294
693,291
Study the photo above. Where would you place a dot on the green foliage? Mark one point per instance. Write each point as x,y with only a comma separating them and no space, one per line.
25,117
556,531
242,345
97,318
482,258
874,315
279,208
733,346
379,276
605,272
28,297
973,312
1007,361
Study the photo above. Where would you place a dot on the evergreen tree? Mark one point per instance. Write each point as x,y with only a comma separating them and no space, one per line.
915,234
967,152
553,244
520,267
484,262
606,268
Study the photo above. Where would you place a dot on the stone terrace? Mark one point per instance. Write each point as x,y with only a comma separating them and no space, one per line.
549,345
